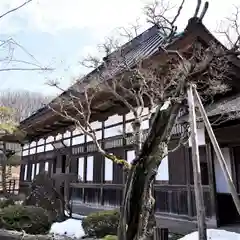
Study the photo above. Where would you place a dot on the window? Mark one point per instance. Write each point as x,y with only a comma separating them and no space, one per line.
59,136
67,134
78,140
32,150
96,125
130,156
25,172
33,144
40,149
98,135
25,153
46,167
81,168
77,131
50,139
25,146
49,147
41,141
113,131
108,176
33,171
89,176
113,120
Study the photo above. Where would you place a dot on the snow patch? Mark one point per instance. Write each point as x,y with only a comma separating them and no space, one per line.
214,234
71,228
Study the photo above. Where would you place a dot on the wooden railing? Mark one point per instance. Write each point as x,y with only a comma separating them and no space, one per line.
180,200
170,199
12,186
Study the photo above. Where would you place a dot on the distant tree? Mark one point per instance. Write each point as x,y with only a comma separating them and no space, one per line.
12,108
23,103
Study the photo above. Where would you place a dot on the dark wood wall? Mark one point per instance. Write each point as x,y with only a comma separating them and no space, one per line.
175,196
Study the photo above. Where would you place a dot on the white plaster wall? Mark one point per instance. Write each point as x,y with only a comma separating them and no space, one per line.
46,167
78,140
41,141
24,152
50,139
25,171
32,150
200,136
108,173
81,168
221,183
130,115
89,176
96,125
76,131
59,136
37,168
49,147
113,131
98,136
33,172
113,120
163,170
67,134
40,149
130,156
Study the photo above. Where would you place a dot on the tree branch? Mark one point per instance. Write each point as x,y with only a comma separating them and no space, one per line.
15,9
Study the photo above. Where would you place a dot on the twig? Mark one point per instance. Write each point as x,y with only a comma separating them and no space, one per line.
15,9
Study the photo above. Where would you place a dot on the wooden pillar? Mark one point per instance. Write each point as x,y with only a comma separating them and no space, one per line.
188,182
85,167
160,234
211,177
233,168
102,172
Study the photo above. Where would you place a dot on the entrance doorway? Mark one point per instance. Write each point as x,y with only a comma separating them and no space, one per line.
227,212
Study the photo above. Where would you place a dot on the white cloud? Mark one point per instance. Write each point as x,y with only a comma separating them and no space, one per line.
98,16
54,15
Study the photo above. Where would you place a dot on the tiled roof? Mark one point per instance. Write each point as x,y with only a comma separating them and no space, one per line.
227,105
141,47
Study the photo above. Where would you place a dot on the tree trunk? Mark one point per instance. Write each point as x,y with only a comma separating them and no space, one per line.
137,220
137,212
4,172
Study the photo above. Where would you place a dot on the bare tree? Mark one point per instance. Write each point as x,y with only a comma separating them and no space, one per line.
141,83
9,118
23,103
8,60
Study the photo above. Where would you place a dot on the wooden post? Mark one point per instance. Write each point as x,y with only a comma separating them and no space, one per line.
218,152
160,234
196,169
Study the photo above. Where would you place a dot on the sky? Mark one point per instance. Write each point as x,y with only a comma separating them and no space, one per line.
59,33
